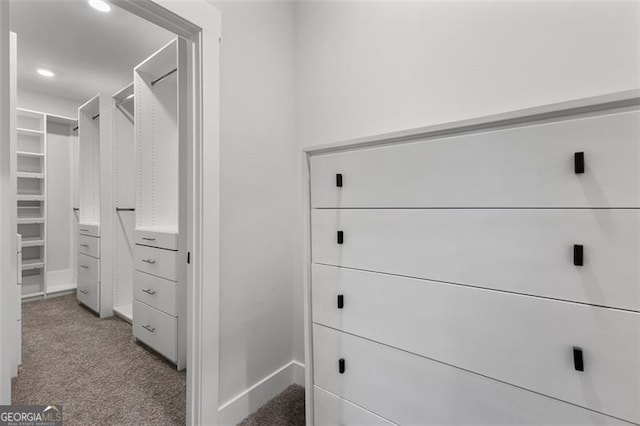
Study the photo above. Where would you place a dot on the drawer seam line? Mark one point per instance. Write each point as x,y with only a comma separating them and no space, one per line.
357,405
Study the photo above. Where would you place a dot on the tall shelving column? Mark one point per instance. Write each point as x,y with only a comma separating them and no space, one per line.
31,199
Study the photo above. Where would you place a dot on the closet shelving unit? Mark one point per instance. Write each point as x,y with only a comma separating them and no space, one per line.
124,168
31,204
160,256
35,131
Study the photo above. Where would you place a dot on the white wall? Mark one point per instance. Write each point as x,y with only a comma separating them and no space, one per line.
364,68
257,192
44,103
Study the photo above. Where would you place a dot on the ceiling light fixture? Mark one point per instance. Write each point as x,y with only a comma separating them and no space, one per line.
45,73
100,5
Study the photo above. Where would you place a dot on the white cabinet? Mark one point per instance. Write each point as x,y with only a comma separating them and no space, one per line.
481,274
160,252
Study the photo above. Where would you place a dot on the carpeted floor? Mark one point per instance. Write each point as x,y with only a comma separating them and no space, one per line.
94,369
100,376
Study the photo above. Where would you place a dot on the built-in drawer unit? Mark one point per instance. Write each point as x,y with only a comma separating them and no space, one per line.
89,267
156,329
492,333
332,410
88,293
89,229
89,245
408,389
583,255
529,166
166,240
155,261
157,292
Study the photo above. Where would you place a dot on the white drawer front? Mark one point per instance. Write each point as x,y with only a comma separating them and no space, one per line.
408,389
330,409
89,245
89,267
156,292
530,166
167,240
88,293
156,329
523,251
154,261
522,340
91,230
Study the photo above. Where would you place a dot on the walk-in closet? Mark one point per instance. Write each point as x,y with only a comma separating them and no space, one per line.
100,199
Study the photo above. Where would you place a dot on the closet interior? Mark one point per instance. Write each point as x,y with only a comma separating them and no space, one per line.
100,188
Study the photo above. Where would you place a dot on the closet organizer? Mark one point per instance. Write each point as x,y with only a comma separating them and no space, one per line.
160,255
481,272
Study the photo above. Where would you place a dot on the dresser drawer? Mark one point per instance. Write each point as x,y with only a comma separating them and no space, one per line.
89,245
330,409
156,329
91,230
89,267
166,240
522,340
518,250
531,166
88,293
408,389
156,292
155,261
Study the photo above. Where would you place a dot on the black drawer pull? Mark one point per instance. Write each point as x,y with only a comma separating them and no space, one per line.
578,360
578,254
341,365
578,162
340,238
339,180
340,301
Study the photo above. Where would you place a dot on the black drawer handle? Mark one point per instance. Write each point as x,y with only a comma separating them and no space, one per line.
341,365
340,238
340,301
578,254
339,180
578,360
578,162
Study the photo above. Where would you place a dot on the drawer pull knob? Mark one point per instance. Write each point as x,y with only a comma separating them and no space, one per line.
341,365
84,291
340,301
578,360
578,162
150,261
84,266
578,254
149,291
340,238
148,327
148,239
339,180
84,245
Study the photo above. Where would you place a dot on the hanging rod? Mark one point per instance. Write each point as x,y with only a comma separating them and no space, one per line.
95,116
124,209
159,79
75,128
75,209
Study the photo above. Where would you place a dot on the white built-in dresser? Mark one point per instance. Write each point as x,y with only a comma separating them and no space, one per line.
480,272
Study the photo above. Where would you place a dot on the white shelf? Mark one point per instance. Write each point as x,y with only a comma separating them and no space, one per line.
30,132
30,154
32,242
30,175
34,294
30,220
61,288
28,264
28,197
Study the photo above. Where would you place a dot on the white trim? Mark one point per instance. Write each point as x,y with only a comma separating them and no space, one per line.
247,402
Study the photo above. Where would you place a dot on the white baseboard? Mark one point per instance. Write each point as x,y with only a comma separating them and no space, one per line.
235,410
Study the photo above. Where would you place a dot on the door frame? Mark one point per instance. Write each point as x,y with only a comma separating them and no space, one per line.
198,21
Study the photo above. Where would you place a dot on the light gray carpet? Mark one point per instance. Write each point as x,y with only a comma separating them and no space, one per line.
94,369
286,409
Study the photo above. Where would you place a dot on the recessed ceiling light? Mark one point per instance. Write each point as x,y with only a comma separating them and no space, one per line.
100,5
45,73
